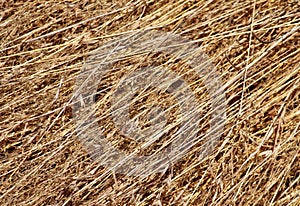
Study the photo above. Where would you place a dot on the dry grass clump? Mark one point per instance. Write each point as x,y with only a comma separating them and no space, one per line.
254,46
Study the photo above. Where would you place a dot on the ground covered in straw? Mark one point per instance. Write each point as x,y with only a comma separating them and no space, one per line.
254,46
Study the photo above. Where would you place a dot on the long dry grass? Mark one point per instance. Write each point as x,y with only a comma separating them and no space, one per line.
254,46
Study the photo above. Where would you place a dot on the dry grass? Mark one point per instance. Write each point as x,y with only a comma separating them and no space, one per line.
255,48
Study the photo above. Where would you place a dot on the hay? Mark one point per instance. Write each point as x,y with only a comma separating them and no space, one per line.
254,47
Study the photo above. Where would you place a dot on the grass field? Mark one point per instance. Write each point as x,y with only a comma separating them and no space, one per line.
254,47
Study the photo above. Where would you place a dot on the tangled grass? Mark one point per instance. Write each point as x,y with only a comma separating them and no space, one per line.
254,46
